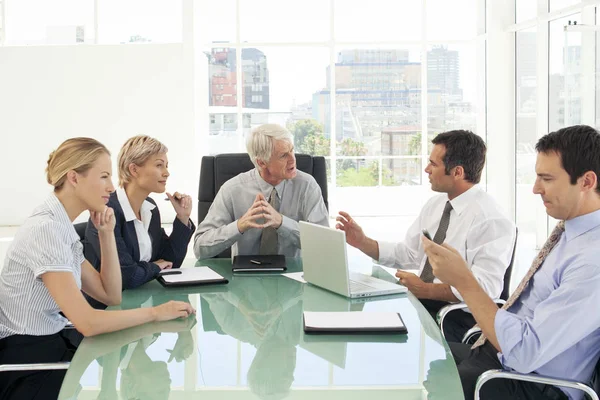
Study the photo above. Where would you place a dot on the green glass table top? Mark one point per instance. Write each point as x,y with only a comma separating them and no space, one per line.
246,342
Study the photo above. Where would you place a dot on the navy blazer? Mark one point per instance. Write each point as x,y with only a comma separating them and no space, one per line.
135,272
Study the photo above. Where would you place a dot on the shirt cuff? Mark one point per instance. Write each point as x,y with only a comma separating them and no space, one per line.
288,225
189,225
386,253
155,269
508,333
232,232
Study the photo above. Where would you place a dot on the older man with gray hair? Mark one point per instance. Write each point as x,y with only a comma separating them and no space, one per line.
257,212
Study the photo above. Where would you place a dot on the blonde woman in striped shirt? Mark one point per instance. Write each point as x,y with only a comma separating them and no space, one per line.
45,271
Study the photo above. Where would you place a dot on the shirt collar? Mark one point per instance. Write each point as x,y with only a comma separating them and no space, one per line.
266,187
60,213
582,224
126,205
462,202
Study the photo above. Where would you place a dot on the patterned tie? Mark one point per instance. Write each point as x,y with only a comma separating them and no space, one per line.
269,240
427,273
535,265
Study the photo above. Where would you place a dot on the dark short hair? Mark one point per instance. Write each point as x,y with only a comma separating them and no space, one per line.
578,147
463,148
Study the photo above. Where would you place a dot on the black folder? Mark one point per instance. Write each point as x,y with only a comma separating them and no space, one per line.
259,264
353,322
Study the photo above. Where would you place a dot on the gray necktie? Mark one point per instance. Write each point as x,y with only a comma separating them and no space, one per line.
427,273
268,240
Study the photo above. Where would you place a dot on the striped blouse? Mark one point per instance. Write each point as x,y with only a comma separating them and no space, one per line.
46,242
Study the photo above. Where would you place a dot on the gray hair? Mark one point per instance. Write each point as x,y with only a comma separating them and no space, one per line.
262,139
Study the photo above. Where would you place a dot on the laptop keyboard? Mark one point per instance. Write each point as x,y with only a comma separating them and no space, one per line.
359,287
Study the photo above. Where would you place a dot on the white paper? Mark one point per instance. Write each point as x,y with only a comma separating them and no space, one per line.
297,276
192,274
352,320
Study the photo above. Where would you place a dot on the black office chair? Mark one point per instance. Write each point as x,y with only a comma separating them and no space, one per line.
508,273
591,388
80,229
473,333
216,170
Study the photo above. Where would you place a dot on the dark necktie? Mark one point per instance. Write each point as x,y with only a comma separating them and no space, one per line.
427,273
268,239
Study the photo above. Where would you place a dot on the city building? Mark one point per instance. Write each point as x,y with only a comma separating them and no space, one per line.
223,78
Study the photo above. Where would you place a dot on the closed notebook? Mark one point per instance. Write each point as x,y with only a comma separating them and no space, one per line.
190,277
259,264
345,322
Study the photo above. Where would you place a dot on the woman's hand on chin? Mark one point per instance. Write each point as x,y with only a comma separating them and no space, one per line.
104,221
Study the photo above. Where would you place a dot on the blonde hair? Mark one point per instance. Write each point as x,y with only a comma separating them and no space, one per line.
76,154
137,150
262,139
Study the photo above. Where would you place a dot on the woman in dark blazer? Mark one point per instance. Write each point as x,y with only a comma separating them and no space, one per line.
143,246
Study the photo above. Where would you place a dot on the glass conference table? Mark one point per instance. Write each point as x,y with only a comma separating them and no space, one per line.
247,342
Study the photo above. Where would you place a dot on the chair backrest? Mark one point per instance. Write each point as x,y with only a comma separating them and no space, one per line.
80,229
595,383
508,273
216,170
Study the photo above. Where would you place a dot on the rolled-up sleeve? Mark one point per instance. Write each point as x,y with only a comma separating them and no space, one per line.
49,252
529,343
405,255
488,252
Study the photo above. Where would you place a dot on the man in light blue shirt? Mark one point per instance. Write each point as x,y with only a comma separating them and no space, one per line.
553,327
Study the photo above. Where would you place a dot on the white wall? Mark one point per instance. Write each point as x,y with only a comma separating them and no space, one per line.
51,93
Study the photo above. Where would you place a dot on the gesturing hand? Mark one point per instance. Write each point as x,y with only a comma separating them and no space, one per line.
182,204
103,221
355,236
413,283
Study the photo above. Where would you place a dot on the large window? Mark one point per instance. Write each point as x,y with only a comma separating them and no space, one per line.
564,107
526,9
68,22
348,80
597,69
557,58
53,22
526,137
139,21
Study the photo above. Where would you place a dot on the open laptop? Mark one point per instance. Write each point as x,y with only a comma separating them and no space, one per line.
325,264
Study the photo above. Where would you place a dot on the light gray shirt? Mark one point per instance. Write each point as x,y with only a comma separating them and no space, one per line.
46,242
300,199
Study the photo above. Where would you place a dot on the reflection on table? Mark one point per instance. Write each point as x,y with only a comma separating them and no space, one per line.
247,342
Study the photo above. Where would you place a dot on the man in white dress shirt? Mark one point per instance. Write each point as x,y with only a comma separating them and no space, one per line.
464,216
